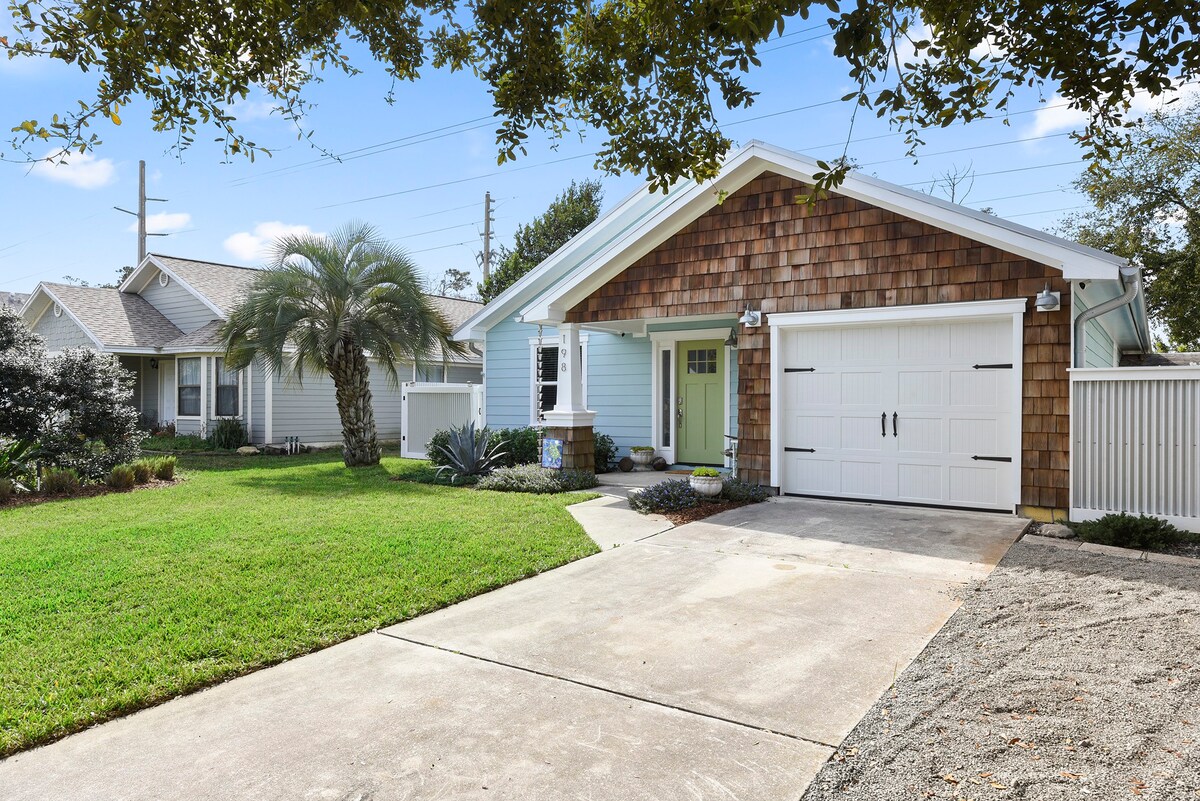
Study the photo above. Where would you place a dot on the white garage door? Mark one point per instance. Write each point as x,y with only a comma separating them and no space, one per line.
915,413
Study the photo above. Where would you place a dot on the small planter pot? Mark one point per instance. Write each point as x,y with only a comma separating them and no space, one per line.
708,486
641,458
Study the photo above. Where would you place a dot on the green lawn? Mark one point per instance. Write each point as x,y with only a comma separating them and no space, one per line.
113,603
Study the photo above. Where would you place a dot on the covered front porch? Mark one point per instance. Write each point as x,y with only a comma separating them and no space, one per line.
192,391
686,377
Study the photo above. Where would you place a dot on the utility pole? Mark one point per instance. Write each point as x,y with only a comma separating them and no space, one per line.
141,212
486,260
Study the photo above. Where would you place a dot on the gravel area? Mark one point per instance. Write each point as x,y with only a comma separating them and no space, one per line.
1066,675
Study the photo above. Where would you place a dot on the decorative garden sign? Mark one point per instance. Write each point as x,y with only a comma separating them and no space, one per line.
552,453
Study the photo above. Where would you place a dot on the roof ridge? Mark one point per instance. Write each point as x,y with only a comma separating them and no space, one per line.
206,261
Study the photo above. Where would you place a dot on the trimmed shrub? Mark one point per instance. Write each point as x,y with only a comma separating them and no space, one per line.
672,495
740,491
177,442
60,482
606,452
228,434
537,479
519,445
7,489
120,477
435,449
1129,531
164,467
706,472
143,471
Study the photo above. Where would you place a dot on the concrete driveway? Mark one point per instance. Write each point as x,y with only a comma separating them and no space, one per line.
722,659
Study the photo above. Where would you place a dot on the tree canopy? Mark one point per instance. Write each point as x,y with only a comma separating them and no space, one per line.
573,210
649,76
337,305
1148,209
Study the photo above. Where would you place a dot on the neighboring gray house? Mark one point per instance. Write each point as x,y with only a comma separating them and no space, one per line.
162,324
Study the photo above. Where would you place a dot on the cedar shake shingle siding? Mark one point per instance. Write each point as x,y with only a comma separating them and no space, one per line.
762,248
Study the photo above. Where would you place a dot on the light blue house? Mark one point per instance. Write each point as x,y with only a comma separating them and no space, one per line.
879,344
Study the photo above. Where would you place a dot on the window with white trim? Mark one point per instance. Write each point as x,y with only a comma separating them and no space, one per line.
543,383
226,391
189,387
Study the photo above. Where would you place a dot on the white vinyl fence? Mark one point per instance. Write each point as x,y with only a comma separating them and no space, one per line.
428,408
1135,443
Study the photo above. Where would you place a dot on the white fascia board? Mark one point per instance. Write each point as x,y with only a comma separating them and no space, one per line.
99,345
1075,261
682,207
151,261
894,314
134,277
543,276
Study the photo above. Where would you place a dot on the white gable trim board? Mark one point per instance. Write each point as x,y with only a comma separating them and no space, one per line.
949,375
149,264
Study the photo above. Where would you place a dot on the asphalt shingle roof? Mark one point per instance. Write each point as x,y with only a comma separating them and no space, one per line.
204,336
223,284
116,318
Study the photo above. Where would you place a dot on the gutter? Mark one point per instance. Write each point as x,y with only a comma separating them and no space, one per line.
1132,278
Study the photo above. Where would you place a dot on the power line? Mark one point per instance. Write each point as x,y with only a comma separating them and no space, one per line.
1046,211
439,247
970,148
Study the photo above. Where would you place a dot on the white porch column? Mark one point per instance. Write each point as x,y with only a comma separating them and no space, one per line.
203,396
569,420
569,409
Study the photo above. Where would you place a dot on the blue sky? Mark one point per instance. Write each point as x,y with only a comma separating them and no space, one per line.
60,221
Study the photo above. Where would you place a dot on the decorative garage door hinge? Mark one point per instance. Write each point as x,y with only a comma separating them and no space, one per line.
799,369
991,366
800,450
992,458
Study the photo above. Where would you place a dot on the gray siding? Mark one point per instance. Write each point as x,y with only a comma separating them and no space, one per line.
464,374
61,332
178,305
309,410
258,401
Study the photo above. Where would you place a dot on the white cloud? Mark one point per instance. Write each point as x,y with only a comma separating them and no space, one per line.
82,170
165,222
253,245
1049,119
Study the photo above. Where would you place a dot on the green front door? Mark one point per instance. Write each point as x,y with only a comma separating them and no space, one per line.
700,402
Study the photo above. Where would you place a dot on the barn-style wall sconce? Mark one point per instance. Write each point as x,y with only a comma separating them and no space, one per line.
1048,301
751,318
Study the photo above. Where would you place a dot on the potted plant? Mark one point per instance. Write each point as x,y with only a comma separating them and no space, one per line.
707,482
642,455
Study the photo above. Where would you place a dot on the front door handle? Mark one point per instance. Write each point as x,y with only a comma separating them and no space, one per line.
883,424
895,415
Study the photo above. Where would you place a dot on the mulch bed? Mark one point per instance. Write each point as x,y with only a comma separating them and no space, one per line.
1065,675
702,510
86,491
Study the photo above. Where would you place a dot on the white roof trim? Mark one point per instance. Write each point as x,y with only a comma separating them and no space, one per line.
66,309
688,201
151,262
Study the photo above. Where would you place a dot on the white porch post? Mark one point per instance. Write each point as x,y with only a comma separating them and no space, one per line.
570,420
203,395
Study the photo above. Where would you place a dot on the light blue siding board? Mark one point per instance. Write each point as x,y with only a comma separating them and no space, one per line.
1100,350
506,373
178,305
619,388
61,332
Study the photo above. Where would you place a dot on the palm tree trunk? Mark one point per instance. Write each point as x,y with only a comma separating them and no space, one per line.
351,380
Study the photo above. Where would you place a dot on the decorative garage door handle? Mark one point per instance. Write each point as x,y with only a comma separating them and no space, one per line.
883,424
895,416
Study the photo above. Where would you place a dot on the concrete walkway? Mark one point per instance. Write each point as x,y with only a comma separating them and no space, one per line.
722,659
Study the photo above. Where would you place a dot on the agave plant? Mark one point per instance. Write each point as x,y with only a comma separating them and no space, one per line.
470,454
17,461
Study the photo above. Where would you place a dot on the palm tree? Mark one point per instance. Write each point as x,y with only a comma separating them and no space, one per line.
335,304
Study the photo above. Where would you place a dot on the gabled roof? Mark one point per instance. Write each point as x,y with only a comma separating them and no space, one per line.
218,286
113,319
644,220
